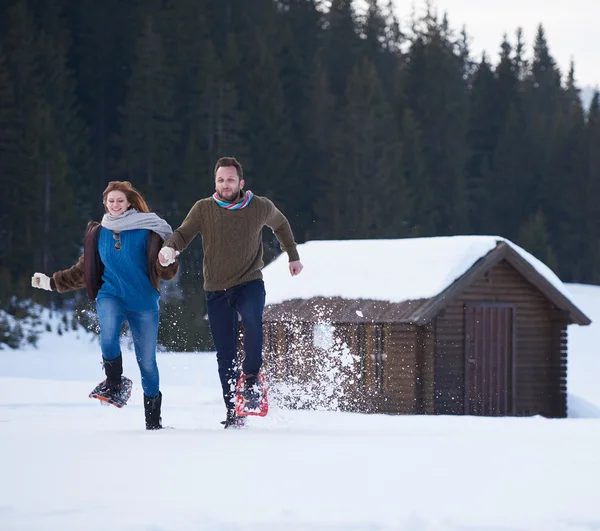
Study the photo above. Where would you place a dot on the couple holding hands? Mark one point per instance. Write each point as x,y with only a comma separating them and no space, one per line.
127,254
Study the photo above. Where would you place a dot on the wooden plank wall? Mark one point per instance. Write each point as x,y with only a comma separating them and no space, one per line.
400,390
540,353
407,383
425,369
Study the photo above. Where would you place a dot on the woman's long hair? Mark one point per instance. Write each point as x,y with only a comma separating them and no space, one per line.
133,196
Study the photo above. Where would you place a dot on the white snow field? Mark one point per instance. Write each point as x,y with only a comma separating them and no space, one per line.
68,463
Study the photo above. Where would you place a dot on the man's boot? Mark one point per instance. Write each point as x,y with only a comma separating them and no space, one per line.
251,391
152,412
232,420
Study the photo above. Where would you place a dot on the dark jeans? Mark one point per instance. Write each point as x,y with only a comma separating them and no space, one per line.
223,307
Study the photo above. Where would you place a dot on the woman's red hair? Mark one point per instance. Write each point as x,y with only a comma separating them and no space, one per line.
133,196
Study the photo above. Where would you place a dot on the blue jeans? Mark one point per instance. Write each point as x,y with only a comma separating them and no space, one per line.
144,329
223,307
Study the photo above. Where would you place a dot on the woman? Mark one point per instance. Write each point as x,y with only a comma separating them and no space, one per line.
120,270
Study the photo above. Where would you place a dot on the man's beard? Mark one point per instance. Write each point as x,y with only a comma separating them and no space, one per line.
231,196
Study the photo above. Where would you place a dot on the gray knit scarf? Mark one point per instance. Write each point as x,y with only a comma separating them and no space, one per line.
132,220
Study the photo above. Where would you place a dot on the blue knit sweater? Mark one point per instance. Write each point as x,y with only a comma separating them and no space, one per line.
126,275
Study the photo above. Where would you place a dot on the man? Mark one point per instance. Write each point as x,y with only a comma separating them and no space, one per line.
231,223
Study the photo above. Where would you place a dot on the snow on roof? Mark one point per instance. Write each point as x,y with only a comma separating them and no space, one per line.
390,270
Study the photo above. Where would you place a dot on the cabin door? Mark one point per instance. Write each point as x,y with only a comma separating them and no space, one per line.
489,359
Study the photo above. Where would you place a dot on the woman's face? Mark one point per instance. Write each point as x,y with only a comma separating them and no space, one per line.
116,203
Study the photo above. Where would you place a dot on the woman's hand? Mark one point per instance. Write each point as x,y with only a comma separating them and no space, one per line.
167,256
41,281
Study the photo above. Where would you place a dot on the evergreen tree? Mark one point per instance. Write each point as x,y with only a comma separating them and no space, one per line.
341,45
60,91
533,237
424,216
149,130
521,63
436,94
374,31
301,23
367,196
194,72
305,21
225,123
269,132
321,129
101,49
481,138
43,235
10,135
20,47
382,42
505,118
568,167
512,185
542,105
507,86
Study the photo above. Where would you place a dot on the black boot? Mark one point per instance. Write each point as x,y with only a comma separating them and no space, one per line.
113,370
152,412
115,389
251,391
232,420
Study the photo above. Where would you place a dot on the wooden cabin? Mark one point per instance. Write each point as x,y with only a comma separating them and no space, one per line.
459,325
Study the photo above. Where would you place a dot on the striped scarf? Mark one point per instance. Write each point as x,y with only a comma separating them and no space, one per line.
233,206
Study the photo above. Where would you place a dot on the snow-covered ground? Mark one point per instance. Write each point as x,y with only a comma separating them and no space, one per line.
584,356
68,463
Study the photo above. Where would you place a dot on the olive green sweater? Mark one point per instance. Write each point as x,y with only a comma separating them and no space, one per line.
232,239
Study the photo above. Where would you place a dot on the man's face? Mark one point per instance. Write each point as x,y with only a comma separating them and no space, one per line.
227,183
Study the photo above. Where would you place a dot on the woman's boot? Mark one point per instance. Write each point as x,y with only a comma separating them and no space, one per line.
116,389
113,370
152,412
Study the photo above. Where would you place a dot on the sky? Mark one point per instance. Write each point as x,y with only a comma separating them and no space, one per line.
69,463
571,28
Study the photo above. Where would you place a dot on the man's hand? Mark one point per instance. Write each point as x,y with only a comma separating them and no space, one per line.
167,256
41,281
295,268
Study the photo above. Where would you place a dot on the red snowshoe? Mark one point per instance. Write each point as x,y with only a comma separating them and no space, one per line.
251,396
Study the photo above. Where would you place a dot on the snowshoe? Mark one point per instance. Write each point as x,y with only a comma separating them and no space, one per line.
251,396
117,395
